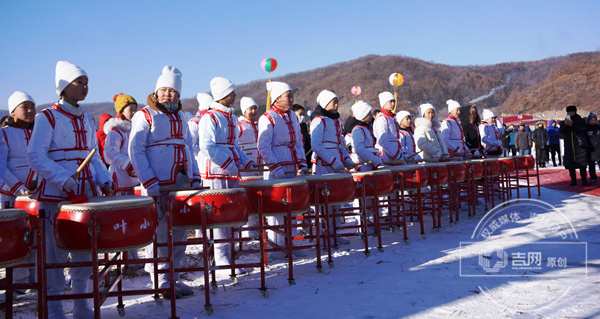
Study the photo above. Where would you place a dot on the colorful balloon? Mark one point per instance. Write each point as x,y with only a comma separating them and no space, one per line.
396,79
268,64
356,90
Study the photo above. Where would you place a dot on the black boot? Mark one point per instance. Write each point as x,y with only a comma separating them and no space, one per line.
573,180
584,179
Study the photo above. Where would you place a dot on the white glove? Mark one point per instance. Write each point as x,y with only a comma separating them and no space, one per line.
21,191
278,173
70,184
337,166
196,185
377,162
153,190
232,169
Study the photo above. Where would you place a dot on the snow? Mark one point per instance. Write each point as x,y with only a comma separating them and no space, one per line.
419,280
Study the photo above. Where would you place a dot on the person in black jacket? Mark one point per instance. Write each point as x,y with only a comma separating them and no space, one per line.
301,113
540,138
470,120
575,139
593,134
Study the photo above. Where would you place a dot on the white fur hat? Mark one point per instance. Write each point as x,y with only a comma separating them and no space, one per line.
487,114
247,102
452,105
17,98
360,110
401,115
325,97
170,78
277,89
384,97
425,107
204,100
221,87
66,72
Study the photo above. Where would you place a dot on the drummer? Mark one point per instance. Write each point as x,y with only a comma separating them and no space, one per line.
247,131
62,138
16,133
490,136
160,148
385,129
220,156
204,100
280,143
405,132
428,139
327,142
452,133
362,139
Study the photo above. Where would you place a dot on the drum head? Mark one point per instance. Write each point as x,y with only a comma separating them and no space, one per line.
275,183
12,214
107,203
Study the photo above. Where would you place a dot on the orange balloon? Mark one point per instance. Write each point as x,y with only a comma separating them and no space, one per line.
396,79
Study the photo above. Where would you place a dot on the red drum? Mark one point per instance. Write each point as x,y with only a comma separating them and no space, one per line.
124,223
439,172
475,168
137,191
340,188
251,178
509,162
414,176
457,171
523,162
222,208
492,166
14,237
530,162
274,195
377,183
31,206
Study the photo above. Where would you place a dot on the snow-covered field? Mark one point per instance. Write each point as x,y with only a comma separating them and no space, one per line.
419,280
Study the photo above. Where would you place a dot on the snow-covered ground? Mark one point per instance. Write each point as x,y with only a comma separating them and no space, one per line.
419,280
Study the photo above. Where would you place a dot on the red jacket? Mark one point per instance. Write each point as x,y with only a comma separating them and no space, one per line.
101,136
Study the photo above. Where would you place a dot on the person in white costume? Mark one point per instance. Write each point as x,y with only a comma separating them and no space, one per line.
361,137
452,133
327,142
220,156
280,143
247,131
160,148
385,129
407,139
62,138
428,139
490,136
16,133
204,100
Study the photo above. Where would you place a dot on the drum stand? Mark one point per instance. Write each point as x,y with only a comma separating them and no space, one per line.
521,164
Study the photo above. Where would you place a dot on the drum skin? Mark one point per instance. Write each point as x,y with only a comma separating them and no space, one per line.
222,208
509,162
492,166
475,167
274,194
124,223
413,176
251,178
340,188
439,172
14,227
377,183
457,171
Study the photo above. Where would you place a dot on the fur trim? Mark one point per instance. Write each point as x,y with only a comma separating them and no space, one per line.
114,122
221,107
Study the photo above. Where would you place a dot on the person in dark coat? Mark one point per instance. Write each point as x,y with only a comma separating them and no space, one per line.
575,139
593,133
553,142
540,138
470,120
523,141
301,113
506,147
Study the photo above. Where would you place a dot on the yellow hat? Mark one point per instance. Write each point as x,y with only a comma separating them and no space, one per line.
122,100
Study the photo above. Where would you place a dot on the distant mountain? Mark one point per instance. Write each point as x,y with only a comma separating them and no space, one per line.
516,87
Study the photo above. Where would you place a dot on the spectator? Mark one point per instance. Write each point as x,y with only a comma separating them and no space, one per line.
523,141
506,138
300,112
593,133
540,138
553,142
573,130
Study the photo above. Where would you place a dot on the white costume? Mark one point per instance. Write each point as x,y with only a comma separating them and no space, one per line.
407,140
490,137
18,174
116,153
363,144
428,139
193,128
247,133
327,142
454,138
385,130
3,157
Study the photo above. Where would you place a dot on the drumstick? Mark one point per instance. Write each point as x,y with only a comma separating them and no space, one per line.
253,170
415,154
395,162
424,160
304,170
166,190
264,164
84,163
358,164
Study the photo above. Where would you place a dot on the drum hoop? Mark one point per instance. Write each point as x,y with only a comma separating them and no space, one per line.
227,191
107,250
69,208
15,262
13,214
373,173
318,178
254,184
24,199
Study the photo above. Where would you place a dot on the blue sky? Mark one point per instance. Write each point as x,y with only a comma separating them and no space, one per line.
123,45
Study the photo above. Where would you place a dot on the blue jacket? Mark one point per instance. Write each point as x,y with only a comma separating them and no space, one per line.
553,134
